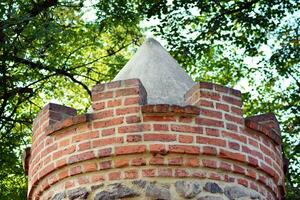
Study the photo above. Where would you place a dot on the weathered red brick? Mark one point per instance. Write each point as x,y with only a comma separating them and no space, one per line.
148,108
128,110
75,170
221,106
268,160
81,157
64,143
63,174
132,82
186,138
49,140
251,173
186,129
191,162
181,172
267,169
165,172
134,138
84,146
106,132
253,142
252,161
133,119
236,110
114,103
209,163
148,172
229,179
225,166
233,101
105,152
160,127
121,162
221,88
210,95
206,85
158,118
254,186
134,128
89,167
131,174
49,150
238,120
69,184
132,100
262,179
234,145
199,175
206,103
138,162
231,127
103,114
127,92
253,152
107,123
243,182
211,113
175,161
65,151
60,163
159,137
239,169
235,136
114,84
158,148
83,180
231,155
163,108
105,164
209,122
156,160
208,150
114,176
107,141
212,141
212,132
186,119
214,176
97,178
184,149
266,151
102,96
132,149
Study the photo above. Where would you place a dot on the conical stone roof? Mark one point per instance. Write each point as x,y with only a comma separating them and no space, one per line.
164,80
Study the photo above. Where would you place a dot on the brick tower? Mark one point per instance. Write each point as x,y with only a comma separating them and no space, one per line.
153,133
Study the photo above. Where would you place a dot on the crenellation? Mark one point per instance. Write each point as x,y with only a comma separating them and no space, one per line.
124,144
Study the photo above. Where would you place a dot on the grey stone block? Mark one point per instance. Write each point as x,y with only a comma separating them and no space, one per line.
187,189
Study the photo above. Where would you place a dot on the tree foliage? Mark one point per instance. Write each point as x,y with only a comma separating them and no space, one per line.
48,51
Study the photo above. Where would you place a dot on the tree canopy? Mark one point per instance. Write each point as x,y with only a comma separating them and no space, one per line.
49,50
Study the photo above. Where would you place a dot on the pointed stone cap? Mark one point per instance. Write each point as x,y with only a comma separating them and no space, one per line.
164,80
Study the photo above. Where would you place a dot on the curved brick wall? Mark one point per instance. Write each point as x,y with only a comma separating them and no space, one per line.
128,149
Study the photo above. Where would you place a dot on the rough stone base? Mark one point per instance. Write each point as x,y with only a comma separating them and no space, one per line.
145,189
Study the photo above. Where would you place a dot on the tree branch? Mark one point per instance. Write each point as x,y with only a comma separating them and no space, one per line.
36,10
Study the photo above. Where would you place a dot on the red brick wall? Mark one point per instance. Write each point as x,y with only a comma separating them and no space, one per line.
126,139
